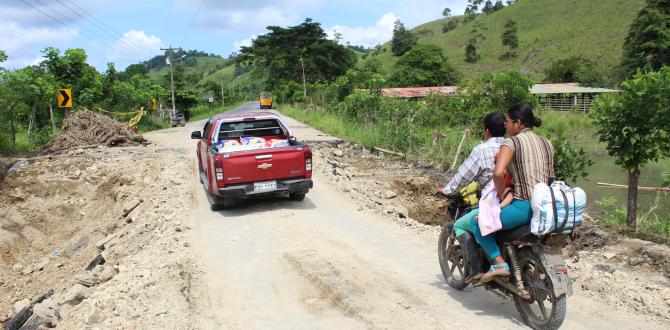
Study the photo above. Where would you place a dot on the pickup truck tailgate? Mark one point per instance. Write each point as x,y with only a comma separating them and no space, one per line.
263,165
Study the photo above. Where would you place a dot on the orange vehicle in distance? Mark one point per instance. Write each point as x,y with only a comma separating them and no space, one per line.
265,100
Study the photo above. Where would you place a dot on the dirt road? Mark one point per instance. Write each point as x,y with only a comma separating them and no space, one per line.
327,262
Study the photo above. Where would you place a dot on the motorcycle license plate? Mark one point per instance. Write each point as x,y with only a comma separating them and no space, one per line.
265,186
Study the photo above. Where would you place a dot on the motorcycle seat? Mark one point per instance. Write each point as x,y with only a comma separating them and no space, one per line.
521,234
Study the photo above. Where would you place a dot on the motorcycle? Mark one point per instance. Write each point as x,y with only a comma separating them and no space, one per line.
538,283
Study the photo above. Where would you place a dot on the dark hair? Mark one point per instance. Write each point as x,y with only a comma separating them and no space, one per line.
495,123
524,113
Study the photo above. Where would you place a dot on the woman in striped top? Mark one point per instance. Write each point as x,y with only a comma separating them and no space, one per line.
529,158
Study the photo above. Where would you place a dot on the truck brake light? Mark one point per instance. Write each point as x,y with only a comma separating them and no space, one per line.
219,174
308,160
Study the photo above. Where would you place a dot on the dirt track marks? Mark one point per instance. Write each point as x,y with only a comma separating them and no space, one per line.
358,289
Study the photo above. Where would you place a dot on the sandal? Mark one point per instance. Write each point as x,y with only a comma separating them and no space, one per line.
501,269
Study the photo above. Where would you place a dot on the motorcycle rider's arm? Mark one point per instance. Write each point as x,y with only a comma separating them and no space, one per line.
466,173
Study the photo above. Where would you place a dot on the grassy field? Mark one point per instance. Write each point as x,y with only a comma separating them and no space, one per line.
205,66
547,29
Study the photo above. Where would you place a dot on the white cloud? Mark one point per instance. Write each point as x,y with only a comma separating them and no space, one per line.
368,36
246,43
135,45
23,44
249,16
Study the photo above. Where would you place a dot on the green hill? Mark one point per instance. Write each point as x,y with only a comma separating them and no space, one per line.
203,66
547,29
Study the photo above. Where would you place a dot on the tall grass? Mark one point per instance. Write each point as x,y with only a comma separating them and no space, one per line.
380,135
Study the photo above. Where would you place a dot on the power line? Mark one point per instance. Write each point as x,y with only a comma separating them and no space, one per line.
82,33
81,12
191,24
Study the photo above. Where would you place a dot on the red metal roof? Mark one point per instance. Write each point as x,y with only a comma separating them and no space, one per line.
419,91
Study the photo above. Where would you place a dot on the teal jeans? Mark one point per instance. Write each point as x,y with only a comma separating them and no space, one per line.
516,214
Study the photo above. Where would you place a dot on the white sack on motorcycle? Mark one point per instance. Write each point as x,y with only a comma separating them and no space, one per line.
556,208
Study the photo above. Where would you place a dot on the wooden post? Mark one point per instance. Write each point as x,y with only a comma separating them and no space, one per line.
32,119
458,151
436,140
51,113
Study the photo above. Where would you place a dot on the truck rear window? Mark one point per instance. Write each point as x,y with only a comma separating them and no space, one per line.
257,128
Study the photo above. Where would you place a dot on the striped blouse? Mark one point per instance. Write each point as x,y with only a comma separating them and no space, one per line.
532,162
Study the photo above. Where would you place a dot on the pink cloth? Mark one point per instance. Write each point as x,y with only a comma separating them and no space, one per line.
489,210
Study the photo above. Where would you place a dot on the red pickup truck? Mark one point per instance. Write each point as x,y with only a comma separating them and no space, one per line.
251,155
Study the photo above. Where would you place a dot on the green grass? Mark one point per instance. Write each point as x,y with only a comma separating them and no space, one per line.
25,144
205,66
547,29
204,111
381,136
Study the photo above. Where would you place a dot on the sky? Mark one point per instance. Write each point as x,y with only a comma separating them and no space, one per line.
127,32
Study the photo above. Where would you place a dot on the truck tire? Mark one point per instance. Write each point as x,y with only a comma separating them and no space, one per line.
297,196
216,203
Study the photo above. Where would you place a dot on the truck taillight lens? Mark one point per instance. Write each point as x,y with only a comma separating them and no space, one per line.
219,174
308,164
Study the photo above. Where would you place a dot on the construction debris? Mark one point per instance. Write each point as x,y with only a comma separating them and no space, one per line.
87,129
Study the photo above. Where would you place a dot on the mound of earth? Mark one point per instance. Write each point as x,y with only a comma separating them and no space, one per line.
86,128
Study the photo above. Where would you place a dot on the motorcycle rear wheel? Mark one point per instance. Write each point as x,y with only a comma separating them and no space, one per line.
535,312
451,260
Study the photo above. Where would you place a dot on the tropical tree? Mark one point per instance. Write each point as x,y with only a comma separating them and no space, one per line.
403,39
509,38
424,65
634,125
284,53
647,45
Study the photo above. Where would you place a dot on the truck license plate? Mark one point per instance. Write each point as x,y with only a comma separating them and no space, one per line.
264,186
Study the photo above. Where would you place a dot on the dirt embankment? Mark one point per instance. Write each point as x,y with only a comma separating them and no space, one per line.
108,230
631,273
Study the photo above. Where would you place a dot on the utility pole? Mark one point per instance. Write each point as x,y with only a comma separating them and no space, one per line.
223,97
304,86
174,110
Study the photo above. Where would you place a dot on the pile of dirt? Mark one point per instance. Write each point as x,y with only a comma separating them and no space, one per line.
86,128
97,238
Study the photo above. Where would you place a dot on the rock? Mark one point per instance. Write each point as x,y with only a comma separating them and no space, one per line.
48,312
94,317
26,271
21,304
130,205
390,194
40,266
85,279
17,268
74,295
100,245
609,255
76,245
665,293
138,230
186,244
636,260
338,153
620,277
107,274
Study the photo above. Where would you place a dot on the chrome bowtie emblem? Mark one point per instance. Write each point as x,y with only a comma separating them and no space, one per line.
264,166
